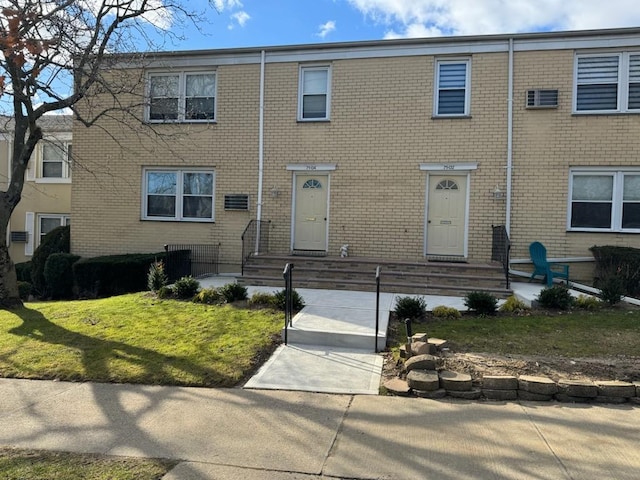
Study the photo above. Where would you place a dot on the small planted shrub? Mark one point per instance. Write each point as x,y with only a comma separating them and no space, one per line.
611,289
23,271
280,300
263,300
24,290
233,292
483,303
513,305
165,292
587,302
185,288
56,241
58,274
210,296
157,277
444,312
413,308
557,297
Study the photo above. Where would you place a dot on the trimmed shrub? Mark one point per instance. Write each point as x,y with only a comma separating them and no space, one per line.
513,305
23,271
210,296
56,241
185,288
611,289
113,274
620,262
449,313
414,308
58,274
280,300
233,292
156,278
24,290
483,303
587,302
165,292
263,300
557,297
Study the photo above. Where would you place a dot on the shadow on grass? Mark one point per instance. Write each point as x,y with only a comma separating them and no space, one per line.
97,356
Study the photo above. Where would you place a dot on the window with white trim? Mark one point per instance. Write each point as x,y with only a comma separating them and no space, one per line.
182,97
314,93
48,222
56,158
607,83
452,88
178,195
604,200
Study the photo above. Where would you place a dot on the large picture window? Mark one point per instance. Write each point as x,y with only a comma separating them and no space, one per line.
314,93
604,200
47,222
182,96
452,88
179,195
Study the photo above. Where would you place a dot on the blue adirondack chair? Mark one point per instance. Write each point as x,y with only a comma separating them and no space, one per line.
547,269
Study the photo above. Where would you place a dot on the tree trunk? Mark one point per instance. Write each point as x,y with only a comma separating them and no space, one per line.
9,295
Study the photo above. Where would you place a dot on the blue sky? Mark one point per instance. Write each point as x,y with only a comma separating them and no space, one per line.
247,23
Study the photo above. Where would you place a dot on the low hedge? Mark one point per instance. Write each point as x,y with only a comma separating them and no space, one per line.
621,263
113,274
58,274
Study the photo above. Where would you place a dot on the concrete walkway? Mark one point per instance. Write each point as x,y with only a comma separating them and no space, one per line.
233,434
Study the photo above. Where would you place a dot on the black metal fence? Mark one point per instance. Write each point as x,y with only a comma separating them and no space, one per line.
500,247
288,295
255,239
191,259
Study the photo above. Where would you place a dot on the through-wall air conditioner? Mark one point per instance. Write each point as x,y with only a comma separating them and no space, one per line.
542,98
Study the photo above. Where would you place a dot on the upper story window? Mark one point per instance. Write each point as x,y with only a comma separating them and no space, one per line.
179,195
607,83
604,200
452,88
182,97
314,93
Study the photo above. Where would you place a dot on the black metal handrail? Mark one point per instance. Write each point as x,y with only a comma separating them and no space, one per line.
255,239
500,249
288,296
191,259
377,308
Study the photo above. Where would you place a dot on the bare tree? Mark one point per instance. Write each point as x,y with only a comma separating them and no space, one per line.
52,55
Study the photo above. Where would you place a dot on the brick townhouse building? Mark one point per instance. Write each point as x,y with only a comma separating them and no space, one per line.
403,149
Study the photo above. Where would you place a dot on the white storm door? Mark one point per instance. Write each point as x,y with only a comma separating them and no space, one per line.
310,212
446,215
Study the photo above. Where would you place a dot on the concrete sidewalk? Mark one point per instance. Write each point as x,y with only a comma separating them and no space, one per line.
252,434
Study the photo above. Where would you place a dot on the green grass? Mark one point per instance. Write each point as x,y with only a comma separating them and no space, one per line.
135,338
18,464
577,334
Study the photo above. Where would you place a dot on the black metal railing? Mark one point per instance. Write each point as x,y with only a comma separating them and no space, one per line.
288,298
377,308
500,248
191,259
255,239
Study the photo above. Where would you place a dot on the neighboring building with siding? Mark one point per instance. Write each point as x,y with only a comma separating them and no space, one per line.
402,149
46,197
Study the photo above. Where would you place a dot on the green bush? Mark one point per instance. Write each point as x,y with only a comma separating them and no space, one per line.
611,289
56,241
23,271
24,289
113,274
233,292
280,300
58,274
156,278
449,313
483,303
620,262
557,297
587,302
513,305
209,296
414,308
185,288
263,300
165,292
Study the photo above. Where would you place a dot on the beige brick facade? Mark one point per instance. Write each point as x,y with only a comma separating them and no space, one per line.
376,153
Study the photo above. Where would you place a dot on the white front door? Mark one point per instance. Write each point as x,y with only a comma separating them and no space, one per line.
446,215
310,212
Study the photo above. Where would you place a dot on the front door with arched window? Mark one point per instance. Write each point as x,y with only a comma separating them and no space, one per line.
310,212
446,215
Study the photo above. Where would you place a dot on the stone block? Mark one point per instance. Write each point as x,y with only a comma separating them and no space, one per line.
403,351
533,397
433,394
397,386
616,389
492,394
438,343
473,394
578,388
637,385
455,382
422,362
606,399
499,382
421,348
425,380
564,398
635,400
419,337
539,385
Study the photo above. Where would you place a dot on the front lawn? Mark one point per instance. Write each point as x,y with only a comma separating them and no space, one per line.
135,338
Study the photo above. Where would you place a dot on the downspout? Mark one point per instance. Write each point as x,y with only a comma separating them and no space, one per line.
509,139
260,153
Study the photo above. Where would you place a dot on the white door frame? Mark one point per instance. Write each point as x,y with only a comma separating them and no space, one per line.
306,170
449,169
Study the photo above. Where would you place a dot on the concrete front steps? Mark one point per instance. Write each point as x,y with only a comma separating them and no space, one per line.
358,273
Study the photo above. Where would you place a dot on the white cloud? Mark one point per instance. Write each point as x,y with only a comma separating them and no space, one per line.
222,5
241,17
326,28
412,18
